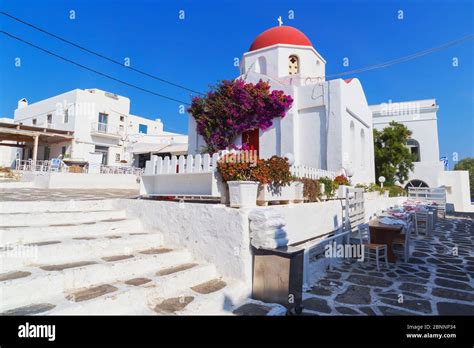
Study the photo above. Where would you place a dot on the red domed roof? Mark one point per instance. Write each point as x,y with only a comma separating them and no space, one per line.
280,35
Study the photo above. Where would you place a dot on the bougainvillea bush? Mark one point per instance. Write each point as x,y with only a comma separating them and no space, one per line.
233,107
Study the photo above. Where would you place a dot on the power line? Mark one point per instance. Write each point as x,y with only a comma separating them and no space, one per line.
404,58
99,54
92,70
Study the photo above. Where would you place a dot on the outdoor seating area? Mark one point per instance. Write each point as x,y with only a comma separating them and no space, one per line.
389,236
434,280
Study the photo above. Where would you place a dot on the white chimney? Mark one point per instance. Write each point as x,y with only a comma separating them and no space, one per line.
22,103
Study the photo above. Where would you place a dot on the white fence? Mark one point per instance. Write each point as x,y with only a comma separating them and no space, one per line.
206,163
196,175
47,166
430,195
315,260
301,171
189,164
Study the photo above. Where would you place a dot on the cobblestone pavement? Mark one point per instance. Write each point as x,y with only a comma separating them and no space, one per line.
433,282
35,194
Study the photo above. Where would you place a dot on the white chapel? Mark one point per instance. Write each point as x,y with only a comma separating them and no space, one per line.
329,125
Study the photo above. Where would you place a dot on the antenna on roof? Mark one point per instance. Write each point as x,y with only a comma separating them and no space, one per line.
280,22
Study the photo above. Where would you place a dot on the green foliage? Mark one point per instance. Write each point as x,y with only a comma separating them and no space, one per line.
311,189
392,156
393,190
330,186
467,164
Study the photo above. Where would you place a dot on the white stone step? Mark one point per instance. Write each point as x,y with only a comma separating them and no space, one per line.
52,206
45,284
58,218
220,302
72,250
25,235
129,299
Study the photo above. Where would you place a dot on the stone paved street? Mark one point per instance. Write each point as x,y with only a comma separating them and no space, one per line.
434,282
35,194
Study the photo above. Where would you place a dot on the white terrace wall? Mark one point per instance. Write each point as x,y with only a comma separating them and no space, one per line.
309,220
220,235
52,180
211,232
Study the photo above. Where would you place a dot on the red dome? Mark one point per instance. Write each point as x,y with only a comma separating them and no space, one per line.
280,35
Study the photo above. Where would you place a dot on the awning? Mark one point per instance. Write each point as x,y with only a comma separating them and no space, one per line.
139,148
175,149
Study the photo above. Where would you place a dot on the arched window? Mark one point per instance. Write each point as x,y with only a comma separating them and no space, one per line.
352,149
414,147
416,183
261,66
362,148
293,65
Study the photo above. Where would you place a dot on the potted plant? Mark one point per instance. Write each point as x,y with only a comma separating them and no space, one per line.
342,183
243,179
328,187
282,185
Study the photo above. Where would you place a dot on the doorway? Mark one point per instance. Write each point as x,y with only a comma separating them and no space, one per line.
251,139
104,150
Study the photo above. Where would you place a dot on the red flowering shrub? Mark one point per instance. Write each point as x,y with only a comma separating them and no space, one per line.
231,169
233,107
342,180
274,171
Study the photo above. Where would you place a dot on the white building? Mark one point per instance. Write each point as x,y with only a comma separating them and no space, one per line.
102,123
329,125
419,116
7,153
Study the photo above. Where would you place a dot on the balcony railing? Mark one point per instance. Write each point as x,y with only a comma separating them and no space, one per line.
104,128
59,166
48,125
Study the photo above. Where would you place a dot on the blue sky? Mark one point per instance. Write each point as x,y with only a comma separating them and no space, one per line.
200,50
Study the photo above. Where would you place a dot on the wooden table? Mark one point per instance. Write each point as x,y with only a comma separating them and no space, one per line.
383,234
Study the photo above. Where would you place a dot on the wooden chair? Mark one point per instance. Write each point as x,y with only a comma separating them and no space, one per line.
404,240
376,251
422,223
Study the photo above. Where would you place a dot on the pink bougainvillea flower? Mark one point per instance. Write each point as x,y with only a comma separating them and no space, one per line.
233,107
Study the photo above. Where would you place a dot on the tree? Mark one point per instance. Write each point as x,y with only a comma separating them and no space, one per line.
467,164
393,158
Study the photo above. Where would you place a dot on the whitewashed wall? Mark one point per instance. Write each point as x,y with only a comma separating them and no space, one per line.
220,235
212,232
83,181
458,195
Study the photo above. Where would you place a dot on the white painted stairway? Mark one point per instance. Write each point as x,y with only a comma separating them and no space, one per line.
85,257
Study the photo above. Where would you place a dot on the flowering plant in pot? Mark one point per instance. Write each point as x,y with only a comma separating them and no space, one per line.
243,179
341,182
282,186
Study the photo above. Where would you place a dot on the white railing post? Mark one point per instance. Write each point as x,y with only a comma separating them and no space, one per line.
159,166
197,163
174,164
215,158
181,164
189,164
206,163
166,165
